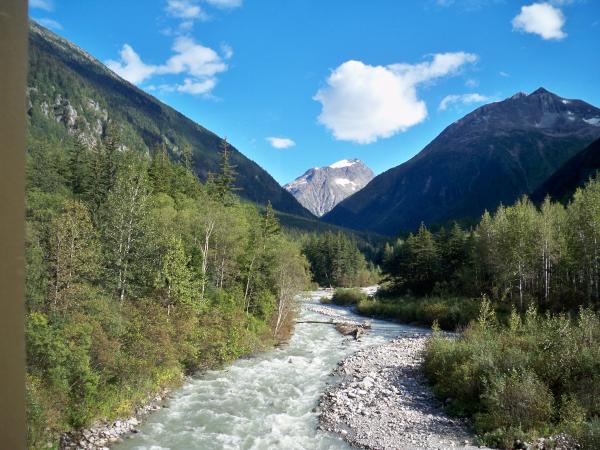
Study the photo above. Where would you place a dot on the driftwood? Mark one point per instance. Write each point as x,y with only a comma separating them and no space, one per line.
330,322
350,329
346,328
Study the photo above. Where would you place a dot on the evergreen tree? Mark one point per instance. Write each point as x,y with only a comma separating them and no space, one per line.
175,279
223,183
73,252
160,170
78,161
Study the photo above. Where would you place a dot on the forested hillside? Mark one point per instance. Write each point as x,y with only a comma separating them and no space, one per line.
572,175
138,273
72,93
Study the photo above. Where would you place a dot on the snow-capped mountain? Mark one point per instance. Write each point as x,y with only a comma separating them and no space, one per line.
321,188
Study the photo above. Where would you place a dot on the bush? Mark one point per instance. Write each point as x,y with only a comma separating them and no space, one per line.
348,297
590,439
517,400
450,313
533,377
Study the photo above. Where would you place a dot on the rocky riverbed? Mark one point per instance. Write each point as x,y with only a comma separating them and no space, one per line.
102,435
383,402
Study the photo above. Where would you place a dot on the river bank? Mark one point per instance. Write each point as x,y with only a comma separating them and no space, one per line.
269,400
102,435
383,401
277,400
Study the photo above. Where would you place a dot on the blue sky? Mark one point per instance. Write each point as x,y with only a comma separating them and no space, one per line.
336,79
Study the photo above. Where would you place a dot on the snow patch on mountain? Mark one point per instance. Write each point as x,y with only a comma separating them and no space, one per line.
321,188
343,163
593,121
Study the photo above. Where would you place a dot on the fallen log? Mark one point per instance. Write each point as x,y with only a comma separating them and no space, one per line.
356,330
330,322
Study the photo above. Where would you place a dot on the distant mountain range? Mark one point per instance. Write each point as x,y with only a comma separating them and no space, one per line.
321,188
573,174
493,155
72,94
534,144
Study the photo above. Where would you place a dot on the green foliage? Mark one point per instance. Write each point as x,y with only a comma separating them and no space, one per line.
533,377
522,254
347,297
450,313
136,274
335,260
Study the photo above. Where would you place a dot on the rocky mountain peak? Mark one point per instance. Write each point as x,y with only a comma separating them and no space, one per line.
321,188
541,91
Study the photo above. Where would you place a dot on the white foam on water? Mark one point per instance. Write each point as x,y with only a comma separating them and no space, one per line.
264,402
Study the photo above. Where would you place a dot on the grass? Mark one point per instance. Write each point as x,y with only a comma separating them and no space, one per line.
537,376
449,312
346,297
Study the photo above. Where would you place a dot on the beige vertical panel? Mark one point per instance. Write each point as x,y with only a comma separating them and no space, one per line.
13,71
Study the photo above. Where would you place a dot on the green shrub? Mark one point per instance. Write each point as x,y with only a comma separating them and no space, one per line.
590,439
539,375
450,313
348,297
517,400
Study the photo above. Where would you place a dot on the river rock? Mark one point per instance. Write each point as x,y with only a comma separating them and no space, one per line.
387,403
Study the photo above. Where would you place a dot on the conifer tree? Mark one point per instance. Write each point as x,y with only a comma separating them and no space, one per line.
160,171
175,278
223,183
73,251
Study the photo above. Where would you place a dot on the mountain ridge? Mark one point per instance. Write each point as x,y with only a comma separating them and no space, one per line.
573,174
70,87
492,155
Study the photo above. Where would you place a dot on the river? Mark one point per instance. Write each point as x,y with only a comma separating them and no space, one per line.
263,402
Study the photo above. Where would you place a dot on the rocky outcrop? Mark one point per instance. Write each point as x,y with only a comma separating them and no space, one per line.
321,188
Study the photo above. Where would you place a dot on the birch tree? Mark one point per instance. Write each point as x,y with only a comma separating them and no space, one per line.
125,225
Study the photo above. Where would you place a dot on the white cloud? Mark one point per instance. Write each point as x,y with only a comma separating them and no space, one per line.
192,58
280,142
185,9
226,51
504,74
542,19
196,87
190,10
131,67
47,5
198,63
471,83
49,23
464,99
229,4
362,103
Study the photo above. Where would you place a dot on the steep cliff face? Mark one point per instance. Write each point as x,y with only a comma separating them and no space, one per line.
321,188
